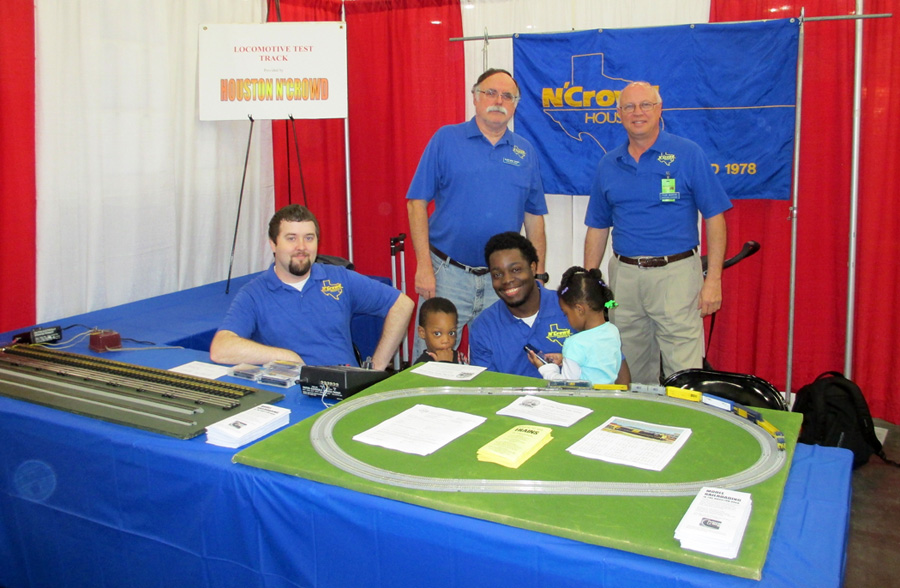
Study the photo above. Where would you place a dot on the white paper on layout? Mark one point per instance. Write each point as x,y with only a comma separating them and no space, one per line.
632,443
715,522
420,430
545,411
448,371
202,369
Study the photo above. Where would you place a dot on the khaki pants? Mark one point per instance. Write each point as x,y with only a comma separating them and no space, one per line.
658,315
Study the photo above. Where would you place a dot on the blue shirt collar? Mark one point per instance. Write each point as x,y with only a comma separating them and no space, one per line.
273,282
472,131
663,143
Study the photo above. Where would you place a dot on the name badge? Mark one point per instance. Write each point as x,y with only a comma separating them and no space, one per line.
509,161
668,193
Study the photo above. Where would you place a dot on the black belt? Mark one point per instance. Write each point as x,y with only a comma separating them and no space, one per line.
654,261
475,271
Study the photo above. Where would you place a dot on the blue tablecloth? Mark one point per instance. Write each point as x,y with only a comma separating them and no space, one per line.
85,503
88,503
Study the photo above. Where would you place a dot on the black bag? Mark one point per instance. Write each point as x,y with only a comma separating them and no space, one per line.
835,414
741,388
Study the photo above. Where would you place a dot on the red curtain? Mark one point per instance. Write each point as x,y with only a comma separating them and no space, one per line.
751,332
17,166
405,80
319,180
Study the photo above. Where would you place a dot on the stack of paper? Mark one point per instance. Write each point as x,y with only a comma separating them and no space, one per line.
514,447
715,522
247,426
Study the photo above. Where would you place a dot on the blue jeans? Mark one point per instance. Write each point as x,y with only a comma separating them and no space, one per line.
469,293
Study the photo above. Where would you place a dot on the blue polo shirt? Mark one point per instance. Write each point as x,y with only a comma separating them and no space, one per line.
478,189
629,197
314,322
498,338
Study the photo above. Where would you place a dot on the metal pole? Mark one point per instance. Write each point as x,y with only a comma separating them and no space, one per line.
487,37
394,241
402,246
299,163
347,168
793,218
349,201
237,220
854,193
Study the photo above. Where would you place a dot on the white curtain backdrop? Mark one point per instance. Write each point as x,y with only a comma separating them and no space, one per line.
565,223
135,196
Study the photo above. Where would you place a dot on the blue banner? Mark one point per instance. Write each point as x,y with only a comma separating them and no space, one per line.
731,88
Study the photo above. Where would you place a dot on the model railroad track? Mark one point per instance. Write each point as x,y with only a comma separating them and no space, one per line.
771,458
175,404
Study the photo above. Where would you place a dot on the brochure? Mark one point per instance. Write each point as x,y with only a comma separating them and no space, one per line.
420,430
514,447
632,443
546,411
247,426
715,522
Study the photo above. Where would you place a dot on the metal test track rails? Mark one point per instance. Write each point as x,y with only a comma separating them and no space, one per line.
152,399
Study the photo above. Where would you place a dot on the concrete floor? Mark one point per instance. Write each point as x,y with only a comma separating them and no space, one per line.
873,553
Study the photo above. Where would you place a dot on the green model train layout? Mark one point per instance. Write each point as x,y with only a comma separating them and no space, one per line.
554,492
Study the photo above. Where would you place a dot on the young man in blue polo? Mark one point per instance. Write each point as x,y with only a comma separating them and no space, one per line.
299,310
526,313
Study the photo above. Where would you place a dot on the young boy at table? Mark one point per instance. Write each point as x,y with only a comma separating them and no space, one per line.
437,328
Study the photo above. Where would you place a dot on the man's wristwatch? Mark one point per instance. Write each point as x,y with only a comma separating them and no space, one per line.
544,277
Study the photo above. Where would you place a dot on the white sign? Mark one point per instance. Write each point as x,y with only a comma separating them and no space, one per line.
273,71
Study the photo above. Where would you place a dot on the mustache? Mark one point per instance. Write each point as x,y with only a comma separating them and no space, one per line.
497,108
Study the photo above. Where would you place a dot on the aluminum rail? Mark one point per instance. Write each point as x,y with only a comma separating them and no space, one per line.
770,461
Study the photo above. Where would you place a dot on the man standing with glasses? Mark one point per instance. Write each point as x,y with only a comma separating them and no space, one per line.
484,179
650,190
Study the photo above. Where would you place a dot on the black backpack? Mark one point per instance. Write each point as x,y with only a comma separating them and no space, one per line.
835,414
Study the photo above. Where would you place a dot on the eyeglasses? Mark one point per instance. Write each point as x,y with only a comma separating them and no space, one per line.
645,107
492,94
